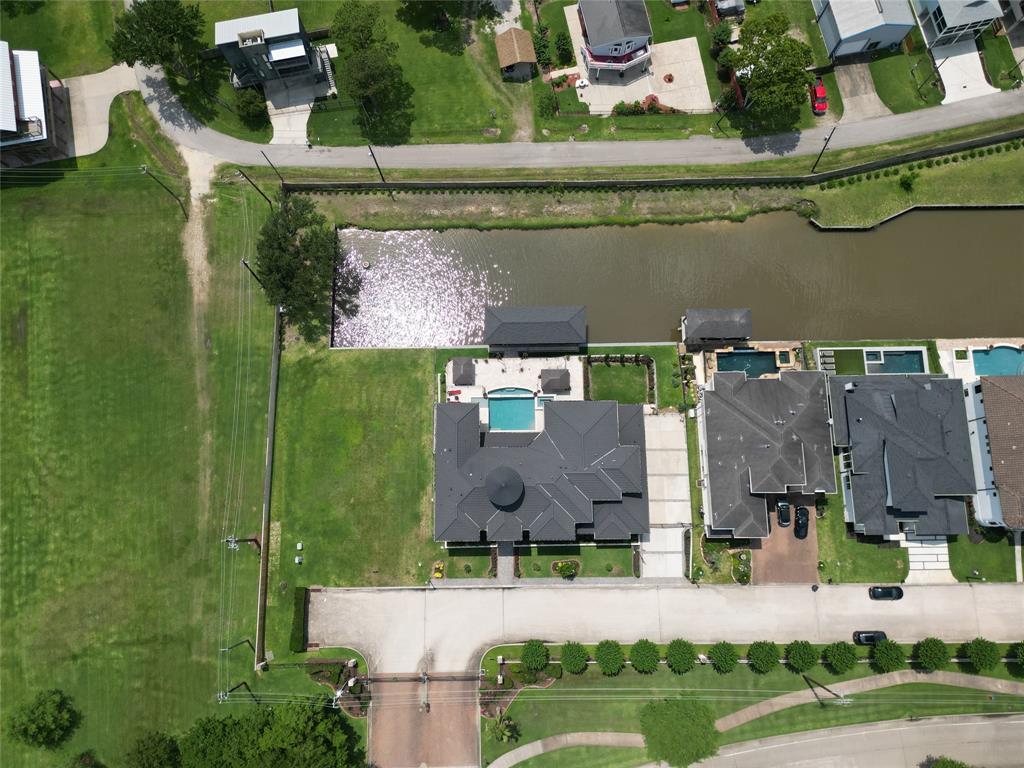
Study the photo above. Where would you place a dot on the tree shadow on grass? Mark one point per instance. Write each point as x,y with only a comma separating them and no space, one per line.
14,8
446,25
389,122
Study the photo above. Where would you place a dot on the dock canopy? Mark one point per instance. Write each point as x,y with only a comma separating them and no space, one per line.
710,327
515,331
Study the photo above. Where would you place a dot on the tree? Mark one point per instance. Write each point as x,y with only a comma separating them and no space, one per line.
563,48
154,750
773,67
763,656
534,656
721,35
801,656
1016,652
841,657
542,47
504,729
298,261
547,103
931,654
46,721
723,657
679,732
681,656
251,105
609,657
644,656
159,32
887,656
983,654
573,658
907,181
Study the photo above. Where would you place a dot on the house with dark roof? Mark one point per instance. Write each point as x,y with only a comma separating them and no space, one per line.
270,47
582,477
905,453
761,439
712,328
616,36
1003,417
542,331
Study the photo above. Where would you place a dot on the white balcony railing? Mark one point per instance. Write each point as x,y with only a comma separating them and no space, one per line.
594,63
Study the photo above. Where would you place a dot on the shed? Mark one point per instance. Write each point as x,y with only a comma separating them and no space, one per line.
516,55
554,380
713,327
547,331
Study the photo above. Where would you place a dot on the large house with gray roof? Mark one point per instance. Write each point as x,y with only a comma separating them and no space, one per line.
856,26
905,453
582,477
616,36
543,331
762,439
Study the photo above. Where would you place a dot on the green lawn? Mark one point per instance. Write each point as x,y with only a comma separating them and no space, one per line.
801,24
624,383
898,75
591,757
1000,63
666,363
717,562
992,557
601,560
71,37
852,560
210,98
895,703
477,559
849,362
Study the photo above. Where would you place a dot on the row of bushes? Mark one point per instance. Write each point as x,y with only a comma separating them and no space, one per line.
930,655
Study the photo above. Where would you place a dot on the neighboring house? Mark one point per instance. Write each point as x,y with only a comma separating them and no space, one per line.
583,477
944,22
516,55
270,47
712,328
905,453
761,439
545,331
34,122
616,36
855,26
1002,416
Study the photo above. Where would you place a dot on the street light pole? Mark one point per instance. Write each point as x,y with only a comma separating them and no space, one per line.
827,140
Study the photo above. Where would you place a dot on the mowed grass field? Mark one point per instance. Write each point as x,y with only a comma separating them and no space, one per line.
112,408
71,37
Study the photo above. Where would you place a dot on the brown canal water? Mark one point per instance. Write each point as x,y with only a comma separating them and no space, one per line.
925,275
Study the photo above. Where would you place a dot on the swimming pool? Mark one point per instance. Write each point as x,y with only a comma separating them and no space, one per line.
901,361
511,409
750,360
999,361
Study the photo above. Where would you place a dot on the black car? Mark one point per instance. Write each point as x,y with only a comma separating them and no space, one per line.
802,520
870,637
885,593
782,513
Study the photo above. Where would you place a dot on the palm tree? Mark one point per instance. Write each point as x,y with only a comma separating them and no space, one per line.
504,729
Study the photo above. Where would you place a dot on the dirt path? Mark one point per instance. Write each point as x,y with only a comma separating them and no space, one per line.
521,109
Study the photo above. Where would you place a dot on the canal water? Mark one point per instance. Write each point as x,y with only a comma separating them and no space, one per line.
925,275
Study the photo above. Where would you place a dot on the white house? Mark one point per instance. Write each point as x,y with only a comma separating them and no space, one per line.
856,26
945,22
616,36
33,110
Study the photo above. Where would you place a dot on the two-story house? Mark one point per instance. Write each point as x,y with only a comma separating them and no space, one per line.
865,25
34,123
269,47
616,36
945,22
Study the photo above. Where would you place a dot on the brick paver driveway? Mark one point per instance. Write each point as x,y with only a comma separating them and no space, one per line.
782,558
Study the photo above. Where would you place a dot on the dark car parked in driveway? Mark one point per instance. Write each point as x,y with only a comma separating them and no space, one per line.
782,513
869,637
885,593
803,518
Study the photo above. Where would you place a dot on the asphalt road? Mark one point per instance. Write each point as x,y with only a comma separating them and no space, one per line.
447,630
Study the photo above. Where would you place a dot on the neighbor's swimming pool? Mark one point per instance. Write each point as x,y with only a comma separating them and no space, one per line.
999,361
753,362
510,409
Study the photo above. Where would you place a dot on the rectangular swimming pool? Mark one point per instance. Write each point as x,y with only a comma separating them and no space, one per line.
902,361
750,360
999,361
511,413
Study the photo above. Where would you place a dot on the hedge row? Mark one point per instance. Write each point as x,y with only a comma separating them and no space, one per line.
297,641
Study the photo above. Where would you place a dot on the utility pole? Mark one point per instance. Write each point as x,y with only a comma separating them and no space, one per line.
255,276
272,166
827,140
245,176
184,210
380,173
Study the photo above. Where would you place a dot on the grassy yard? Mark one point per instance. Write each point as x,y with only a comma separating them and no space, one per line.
992,557
851,560
849,362
624,383
898,74
71,37
210,98
601,560
666,363
802,25
467,563
720,561
591,757
1000,63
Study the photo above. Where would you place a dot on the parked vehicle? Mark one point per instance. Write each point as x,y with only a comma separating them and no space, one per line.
819,98
803,518
869,637
885,593
730,7
782,513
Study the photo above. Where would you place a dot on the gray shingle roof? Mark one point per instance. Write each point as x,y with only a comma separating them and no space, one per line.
585,473
463,372
910,449
1004,416
611,20
713,324
764,436
526,326
554,380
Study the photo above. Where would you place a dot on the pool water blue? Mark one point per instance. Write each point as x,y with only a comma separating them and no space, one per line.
753,362
1001,361
509,410
909,361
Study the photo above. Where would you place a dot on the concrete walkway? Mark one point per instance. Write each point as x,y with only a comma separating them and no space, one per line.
929,559
90,97
563,740
1017,556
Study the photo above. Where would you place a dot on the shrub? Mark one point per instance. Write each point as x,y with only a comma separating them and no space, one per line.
841,657
907,181
887,656
154,750
999,148
535,568
47,721
553,670
763,656
679,732
574,658
644,656
1016,652
721,35
563,48
86,759
567,569
931,654
622,108
467,568
989,150
801,656
681,656
251,105
547,104
983,654
535,655
504,729
297,640
609,657
723,657
929,162
946,762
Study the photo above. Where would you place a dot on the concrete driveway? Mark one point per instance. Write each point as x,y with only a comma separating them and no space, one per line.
860,100
90,97
668,487
963,76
